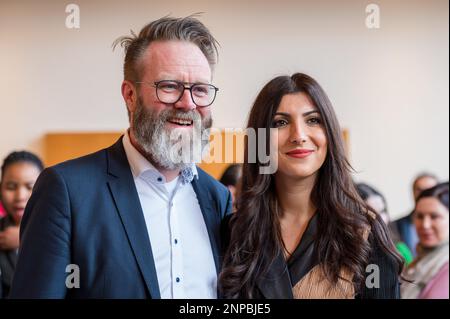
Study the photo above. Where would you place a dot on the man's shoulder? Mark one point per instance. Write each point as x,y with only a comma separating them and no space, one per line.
82,164
90,165
403,221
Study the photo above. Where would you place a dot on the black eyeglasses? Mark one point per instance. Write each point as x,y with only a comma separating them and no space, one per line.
170,91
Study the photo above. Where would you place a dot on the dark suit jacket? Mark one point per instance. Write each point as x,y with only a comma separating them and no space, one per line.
407,232
87,212
8,260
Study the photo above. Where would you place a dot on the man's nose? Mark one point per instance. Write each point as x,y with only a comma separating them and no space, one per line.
185,102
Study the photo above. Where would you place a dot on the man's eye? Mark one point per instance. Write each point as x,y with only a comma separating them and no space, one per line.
170,86
279,123
200,90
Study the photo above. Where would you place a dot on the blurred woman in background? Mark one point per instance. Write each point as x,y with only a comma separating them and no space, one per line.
20,171
429,271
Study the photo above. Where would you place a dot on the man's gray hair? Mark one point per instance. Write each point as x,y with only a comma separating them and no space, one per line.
165,29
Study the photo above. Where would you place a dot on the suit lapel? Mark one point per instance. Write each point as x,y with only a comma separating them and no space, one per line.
123,190
210,217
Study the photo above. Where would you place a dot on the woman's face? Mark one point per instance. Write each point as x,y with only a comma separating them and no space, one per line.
431,221
16,186
302,141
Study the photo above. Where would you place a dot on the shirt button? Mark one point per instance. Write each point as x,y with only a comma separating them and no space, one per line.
177,279
159,179
176,241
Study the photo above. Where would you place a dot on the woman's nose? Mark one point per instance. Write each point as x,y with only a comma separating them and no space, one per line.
298,134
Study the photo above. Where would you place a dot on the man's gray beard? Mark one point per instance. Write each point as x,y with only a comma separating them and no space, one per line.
167,147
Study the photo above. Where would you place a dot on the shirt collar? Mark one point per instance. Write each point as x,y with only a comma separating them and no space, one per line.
141,167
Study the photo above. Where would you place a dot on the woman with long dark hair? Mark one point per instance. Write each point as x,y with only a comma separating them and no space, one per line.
303,231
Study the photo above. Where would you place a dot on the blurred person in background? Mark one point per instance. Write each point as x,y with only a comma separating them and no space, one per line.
429,271
377,201
230,178
20,171
2,210
405,225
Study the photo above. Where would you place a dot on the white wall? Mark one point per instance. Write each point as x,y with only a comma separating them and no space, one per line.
389,86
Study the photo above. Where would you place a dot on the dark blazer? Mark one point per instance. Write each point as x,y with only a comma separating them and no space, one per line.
407,232
87,212
8,260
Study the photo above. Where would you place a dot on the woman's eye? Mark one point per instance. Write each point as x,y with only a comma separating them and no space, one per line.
11,187
279,123
314,120
435,216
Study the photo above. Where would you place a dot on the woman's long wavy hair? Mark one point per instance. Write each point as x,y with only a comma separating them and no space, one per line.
255,239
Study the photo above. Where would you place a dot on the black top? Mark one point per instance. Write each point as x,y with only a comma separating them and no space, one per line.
278,283
8,259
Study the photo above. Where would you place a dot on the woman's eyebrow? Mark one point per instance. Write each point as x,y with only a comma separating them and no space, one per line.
283,114
310,112
304,114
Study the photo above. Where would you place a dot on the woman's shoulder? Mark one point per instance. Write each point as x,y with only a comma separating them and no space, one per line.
381,273
438,287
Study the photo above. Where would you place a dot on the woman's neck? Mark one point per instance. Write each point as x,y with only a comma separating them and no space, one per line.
297,209
294,197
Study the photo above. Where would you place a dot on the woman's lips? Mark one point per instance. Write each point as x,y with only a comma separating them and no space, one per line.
301,153
19,210
426,235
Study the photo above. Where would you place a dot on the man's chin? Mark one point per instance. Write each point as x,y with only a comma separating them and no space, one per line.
173,166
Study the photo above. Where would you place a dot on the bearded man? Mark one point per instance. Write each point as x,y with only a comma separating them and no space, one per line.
138,219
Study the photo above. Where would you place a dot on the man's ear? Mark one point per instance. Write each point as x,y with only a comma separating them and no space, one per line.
129,95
